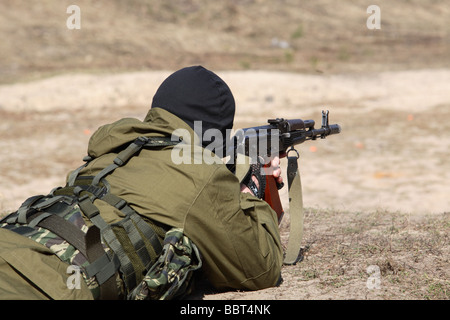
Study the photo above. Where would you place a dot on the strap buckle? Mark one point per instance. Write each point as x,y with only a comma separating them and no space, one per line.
292,149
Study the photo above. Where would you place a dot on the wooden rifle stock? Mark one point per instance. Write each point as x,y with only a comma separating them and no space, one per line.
271,195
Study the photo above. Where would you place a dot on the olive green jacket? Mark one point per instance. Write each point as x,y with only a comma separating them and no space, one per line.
236,233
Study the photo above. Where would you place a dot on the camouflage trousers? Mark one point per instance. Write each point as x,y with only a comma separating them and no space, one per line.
73,259
31,271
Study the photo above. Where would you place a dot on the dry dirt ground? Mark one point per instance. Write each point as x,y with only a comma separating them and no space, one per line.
377,199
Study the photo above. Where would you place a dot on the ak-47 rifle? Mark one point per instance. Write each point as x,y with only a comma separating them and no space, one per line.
278,138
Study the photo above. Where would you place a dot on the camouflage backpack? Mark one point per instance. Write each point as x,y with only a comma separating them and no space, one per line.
135,258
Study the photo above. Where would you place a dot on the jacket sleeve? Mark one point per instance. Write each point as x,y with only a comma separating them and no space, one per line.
237,235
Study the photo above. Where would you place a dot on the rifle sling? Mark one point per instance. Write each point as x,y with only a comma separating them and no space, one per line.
292,255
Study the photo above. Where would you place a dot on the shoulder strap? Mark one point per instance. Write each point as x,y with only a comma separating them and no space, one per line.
135,227
124,156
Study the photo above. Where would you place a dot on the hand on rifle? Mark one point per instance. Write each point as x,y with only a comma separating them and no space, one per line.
274,169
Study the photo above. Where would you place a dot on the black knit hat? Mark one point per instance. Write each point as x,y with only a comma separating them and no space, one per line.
197,94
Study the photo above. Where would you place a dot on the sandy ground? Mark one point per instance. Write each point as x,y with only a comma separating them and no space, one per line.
389,162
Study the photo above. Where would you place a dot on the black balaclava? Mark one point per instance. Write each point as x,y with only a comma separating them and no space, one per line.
197,94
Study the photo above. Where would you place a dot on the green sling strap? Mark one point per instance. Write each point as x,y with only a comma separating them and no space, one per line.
292,254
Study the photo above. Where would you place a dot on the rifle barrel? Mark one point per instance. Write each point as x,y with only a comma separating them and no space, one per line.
324,131
291,132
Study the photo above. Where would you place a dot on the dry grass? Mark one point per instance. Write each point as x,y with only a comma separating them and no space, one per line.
412,254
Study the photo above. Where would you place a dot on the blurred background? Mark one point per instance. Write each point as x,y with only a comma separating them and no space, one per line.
290,35
389,88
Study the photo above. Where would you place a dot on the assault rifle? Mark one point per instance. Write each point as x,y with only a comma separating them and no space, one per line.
278,138
280,135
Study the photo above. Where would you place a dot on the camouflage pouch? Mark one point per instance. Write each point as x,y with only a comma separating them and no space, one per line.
171,276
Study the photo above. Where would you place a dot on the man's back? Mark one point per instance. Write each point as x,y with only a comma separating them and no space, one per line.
240,248
236,233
